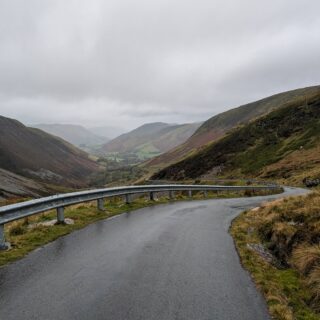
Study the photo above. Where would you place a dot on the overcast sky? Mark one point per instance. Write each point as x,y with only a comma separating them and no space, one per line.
128,62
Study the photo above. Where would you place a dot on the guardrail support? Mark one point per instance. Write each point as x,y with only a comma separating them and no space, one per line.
190,193
128,198
3,244
59,202
100,204
205,193
60,215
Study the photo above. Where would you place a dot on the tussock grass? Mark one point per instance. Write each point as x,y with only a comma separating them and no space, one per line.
290,230
306,258
314,284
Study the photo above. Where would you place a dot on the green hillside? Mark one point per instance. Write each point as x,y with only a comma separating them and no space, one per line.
217,126
282,145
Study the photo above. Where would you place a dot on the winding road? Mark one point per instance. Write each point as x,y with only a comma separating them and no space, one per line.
173,261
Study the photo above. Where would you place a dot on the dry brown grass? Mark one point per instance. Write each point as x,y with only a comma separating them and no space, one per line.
301,163
314,284
306,258
281,312
290,229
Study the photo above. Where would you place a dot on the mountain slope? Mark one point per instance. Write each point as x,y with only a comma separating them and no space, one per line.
75,134
151,139
13,185
36,154
283,144
127,142
217,126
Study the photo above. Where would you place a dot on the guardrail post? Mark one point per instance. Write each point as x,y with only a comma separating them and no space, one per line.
128,198
3,244
100,204
15,212
60,215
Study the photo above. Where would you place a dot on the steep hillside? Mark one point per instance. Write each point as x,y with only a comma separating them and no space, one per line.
75,134
217,126
13,185
283,144
150,139
127,142
36,154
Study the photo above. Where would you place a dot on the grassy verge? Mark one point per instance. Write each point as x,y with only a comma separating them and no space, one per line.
25,235
287,268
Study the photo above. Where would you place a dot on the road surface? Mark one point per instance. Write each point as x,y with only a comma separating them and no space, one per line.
174,261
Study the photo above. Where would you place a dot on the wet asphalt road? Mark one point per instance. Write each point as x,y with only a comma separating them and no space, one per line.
174,261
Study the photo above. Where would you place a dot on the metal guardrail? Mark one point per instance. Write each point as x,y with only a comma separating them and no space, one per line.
20,210
227,182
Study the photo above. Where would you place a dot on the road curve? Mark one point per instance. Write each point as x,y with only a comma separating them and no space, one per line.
173,261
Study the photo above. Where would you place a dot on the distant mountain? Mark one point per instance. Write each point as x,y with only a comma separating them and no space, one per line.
107,131
36,154
75,134
150,139
284,144
217,126
127,142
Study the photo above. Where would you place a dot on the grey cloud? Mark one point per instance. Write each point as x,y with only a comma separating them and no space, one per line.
128,62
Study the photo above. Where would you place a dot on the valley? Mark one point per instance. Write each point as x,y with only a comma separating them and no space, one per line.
275,139
272,141
148,141
159,160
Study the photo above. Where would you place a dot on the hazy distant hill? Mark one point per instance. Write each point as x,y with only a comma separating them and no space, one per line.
150,139
285,144
217,126
36,154
127,142
75,134
107,131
